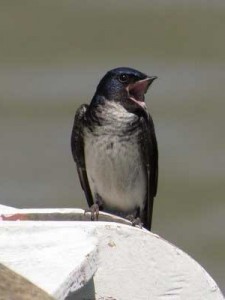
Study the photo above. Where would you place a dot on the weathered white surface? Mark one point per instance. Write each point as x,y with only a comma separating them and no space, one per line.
56,256
54,214
140,265
8,209
131,263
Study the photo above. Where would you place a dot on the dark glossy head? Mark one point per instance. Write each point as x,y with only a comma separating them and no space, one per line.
124,85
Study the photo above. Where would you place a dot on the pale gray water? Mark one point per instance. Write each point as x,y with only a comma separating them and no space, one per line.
52,59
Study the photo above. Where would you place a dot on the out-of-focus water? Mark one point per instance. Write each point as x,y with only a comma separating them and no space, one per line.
48,68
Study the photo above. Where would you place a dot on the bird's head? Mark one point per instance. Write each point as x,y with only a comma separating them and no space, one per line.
126,86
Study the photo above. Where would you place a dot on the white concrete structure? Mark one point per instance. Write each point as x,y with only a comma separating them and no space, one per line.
98,260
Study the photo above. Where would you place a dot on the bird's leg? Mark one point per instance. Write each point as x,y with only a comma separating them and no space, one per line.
94,208
135,220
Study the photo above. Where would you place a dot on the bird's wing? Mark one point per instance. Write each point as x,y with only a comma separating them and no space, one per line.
77,147
150,155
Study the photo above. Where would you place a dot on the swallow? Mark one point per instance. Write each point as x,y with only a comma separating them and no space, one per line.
114,146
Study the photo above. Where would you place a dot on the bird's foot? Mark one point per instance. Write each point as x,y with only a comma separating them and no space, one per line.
94,210
135,221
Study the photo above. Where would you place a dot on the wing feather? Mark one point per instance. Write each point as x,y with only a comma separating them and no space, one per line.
150,154
77,147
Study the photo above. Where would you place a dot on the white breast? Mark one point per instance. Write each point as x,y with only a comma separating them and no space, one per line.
114,166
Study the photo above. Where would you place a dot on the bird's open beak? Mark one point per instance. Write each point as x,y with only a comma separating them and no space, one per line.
138,89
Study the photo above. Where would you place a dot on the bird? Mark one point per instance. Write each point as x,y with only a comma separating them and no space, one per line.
114,146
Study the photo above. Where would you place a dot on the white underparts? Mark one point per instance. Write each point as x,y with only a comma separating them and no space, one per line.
113,162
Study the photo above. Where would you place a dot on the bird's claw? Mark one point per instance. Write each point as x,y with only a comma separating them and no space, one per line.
135,221
94,210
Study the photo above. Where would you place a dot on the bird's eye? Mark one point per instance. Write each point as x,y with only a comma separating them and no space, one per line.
123,78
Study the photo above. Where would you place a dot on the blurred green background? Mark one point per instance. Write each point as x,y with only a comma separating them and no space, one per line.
52,55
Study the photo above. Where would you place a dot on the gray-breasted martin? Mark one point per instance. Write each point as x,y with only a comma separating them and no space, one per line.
114,146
